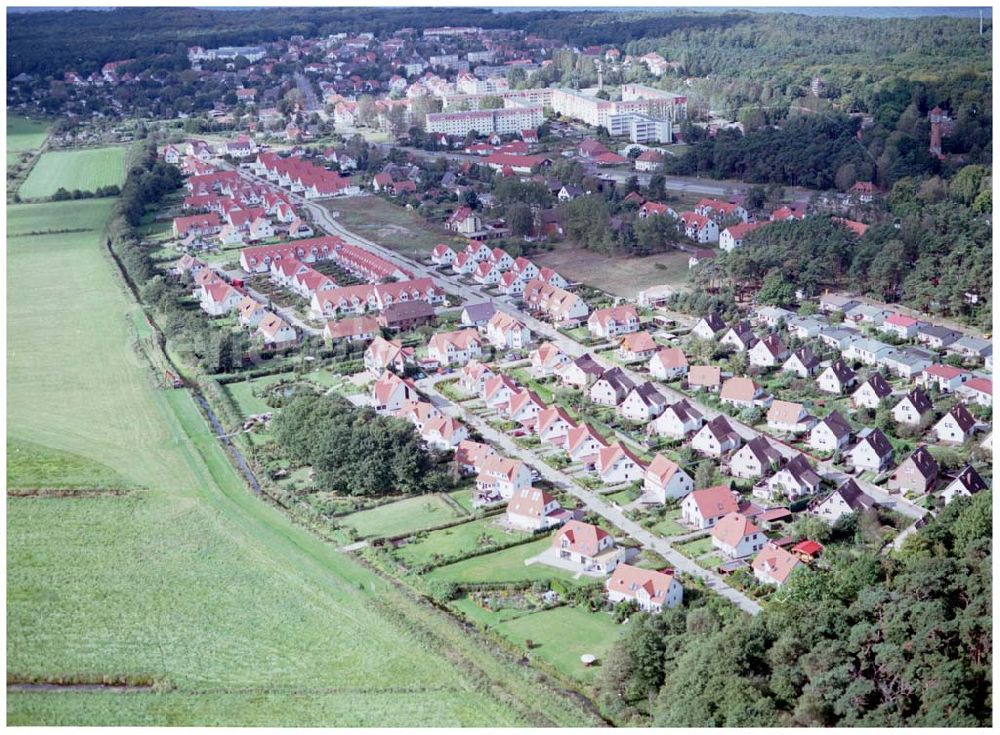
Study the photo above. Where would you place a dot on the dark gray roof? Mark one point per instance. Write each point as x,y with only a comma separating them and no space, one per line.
480,312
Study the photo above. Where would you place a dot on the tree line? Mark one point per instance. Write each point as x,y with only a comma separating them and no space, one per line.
355,451
860,639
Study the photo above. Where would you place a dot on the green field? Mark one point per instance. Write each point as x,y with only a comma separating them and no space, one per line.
402,516
23,135
85,169
454,540
245,617
59,217
503,566
563,634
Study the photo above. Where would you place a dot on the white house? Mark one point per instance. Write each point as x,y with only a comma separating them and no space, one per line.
669,363
507,333
955,426
716,438
650,590
836,378
830,434
736,536
665,479
706,507
588,547
677,421
616,464
532,509
871,452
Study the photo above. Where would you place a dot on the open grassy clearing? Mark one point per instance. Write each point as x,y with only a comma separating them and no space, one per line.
455,540
391,226
24,135
618,276
402,516
195,582
563,634
85,169
504,566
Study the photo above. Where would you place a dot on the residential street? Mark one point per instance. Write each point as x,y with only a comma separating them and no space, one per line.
591,500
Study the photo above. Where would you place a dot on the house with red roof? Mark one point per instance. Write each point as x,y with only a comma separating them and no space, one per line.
219,298
650,590
699,227
617,463
532,509
733,236
904,327
737,536
665,479
583,443
977,390
774,565
706,507
587,547
947,378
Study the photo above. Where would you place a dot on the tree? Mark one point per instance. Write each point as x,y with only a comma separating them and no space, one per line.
776,290
704,474
519,219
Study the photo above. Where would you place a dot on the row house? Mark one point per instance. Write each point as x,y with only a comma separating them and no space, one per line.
613,321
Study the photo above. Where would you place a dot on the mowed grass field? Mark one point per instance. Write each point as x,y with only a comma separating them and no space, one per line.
504,566
24,135
402,516
246,618
391,225
85,169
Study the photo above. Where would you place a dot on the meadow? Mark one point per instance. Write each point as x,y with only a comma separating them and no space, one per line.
24,135
239,615
615,275
401,516
85,169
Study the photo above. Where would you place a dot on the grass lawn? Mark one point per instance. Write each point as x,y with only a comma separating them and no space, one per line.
402,516
455,540
242,391
24,135
563,634
193,581
462,496
391,225
618,276
85,169
503,566
699,546
669,525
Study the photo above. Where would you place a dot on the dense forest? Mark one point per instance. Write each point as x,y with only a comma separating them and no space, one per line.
903,640
84,40
936,256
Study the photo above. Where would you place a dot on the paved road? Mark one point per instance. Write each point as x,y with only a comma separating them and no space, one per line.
286,313
592,501
306,87
473,293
